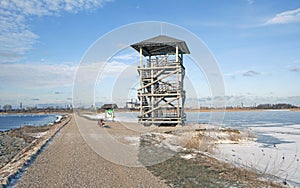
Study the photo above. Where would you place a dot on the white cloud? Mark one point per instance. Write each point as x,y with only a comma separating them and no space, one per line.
37,75
114,69
129,56
15,37
96,77
290,16
43,81
50,83
245,73
250,100
87,73
251,73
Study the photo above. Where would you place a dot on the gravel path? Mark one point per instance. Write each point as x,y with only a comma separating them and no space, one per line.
69,162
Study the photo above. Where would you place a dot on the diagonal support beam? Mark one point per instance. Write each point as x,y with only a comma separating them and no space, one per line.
168,103
163,77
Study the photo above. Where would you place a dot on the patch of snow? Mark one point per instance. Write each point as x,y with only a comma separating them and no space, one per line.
38,135
126,117
58,119
188,156
281,159
133,140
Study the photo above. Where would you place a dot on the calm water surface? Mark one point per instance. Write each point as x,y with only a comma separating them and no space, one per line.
12,121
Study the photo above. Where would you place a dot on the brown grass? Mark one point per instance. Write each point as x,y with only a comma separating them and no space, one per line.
235,137
24,132
201,142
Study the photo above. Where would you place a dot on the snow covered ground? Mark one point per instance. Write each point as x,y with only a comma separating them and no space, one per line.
278,156
127,117
276,150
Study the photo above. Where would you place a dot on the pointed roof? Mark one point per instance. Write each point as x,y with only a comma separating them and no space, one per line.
109,106
161,45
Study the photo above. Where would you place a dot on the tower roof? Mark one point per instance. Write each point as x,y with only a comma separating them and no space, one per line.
161,45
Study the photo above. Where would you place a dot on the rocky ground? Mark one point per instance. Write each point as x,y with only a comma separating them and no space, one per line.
13,141
9,147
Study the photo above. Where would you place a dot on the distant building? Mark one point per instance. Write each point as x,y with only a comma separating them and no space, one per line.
109,106
132,105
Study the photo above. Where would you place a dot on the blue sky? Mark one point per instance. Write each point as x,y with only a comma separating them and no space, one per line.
256,44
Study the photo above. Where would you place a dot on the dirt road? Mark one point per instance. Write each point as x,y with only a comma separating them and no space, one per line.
68,161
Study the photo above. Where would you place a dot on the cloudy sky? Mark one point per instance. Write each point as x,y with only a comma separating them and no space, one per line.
256,44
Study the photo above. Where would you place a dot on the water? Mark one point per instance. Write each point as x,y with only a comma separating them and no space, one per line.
263,123
251,120
248,119
243,119
12,121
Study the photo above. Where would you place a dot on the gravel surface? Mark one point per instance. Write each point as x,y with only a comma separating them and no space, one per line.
69,162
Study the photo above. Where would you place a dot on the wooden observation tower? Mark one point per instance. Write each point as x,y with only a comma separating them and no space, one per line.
161,92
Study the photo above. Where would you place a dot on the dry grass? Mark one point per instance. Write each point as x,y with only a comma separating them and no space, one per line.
201,142
206,139
36,129
194,142
230,130
235,137
24,132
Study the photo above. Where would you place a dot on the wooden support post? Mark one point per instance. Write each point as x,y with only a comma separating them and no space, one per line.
152,91
141,57
181,57
177,81
176,53
141,83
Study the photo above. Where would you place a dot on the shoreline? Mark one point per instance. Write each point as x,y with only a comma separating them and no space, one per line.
36,138
58,118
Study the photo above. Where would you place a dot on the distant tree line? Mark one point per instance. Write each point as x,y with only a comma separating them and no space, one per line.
9,109
276,106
